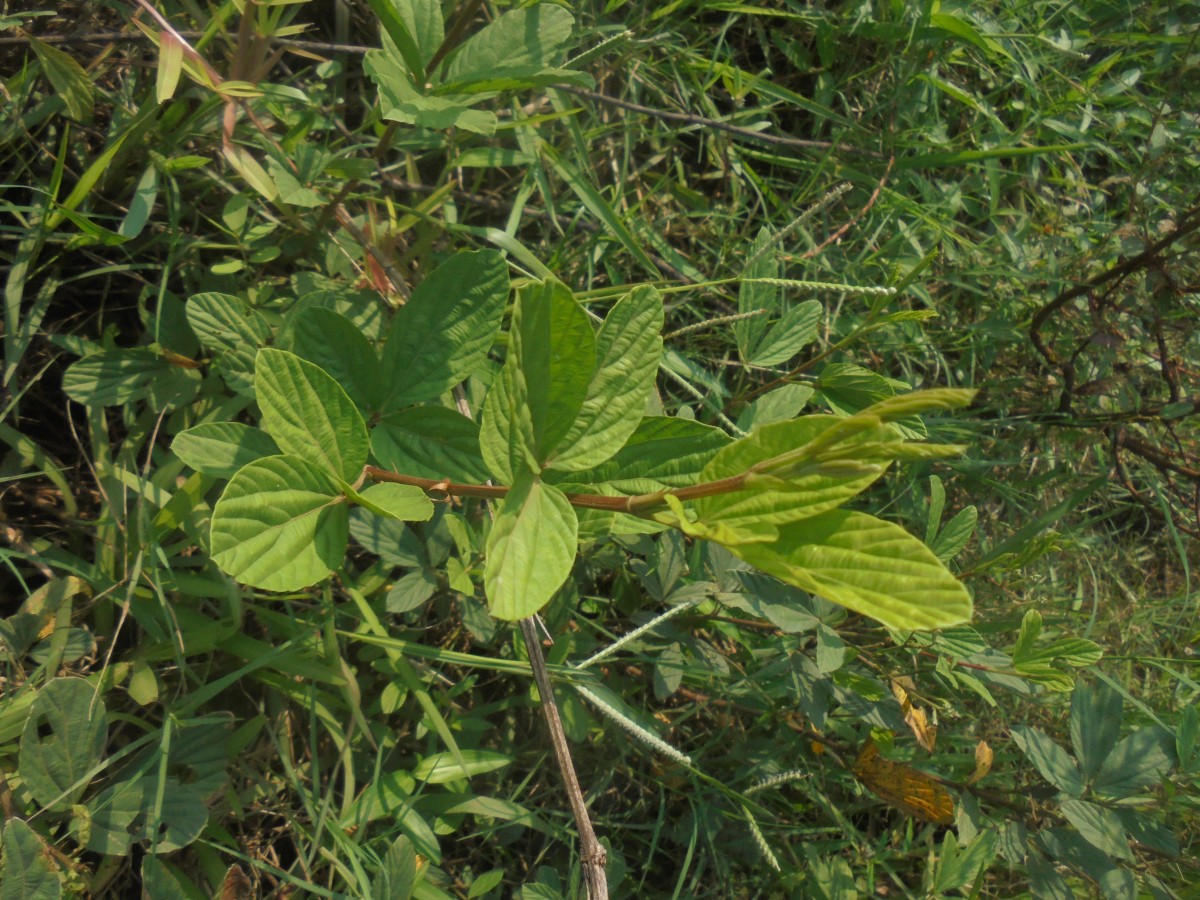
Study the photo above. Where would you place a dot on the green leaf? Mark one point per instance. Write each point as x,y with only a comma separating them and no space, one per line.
309,415
628,350
506,436
411,592
280,525
662,452
445,330
831,650
400,101
396,501
555,349
28,871
335,344
599,207
755,295
441,768
234,330
1138,761
835,476
114,377
849,388
430,442
530,549
1185,736
1100,827
62,742
1095,725
399,21
866,565
937,502
68,79
396,878
142,204
521,37
221,448
957,532
791,334
778,405
1051,760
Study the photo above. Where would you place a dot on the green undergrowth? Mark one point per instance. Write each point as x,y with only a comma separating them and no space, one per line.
285,243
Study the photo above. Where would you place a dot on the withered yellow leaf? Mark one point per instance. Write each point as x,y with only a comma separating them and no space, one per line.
911,791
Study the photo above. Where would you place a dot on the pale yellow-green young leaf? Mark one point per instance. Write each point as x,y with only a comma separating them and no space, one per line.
242,162
170,65
530,549
867,565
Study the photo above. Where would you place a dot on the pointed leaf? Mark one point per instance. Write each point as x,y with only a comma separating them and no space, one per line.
791,334
335,344
395,880
662,452
234,329
309,414
431,442
29,873
445,330
1051,760
1100,827
555,349
755,295
865,564
280,525
221,448
858,462
506,436
1095,724
68,78
521,37
62,742
954,536
1138,761
628,350
404,502
530,549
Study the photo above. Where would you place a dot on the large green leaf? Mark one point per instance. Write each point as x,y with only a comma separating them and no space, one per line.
662,452
404,502
628,350
334,343
792,333
221,448
232,328
281,524
400,101
521,37
62,742
445,330
866,565
856,464
555,349
309,414
29,873
430,441
530,548
1051,760
506,437
116,377
754,295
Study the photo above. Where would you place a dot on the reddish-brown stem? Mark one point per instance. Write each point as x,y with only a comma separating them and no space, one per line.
641,505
